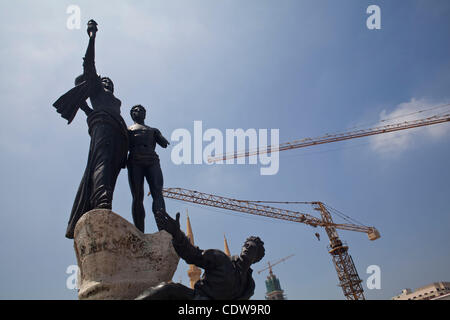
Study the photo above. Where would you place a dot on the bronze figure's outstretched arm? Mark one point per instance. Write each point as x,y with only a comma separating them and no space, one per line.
86,85
182,245
89,57
89,72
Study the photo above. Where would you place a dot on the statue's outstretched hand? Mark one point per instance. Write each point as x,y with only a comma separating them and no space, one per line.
166,222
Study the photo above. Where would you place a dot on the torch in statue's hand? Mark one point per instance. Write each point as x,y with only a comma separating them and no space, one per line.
92,28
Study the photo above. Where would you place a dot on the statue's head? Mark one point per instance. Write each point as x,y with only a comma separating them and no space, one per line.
138,113
253,249
108,84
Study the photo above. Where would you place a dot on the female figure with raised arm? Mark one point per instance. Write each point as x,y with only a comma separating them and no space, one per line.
108,131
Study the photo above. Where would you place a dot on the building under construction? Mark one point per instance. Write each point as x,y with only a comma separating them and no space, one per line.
273,287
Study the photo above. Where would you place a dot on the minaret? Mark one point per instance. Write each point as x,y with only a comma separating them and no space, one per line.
225,245
274,291
194,272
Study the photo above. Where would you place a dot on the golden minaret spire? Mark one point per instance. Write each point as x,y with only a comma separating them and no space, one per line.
193,272
189,232
225,245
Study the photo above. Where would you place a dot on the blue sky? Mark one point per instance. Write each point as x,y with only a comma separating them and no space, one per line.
304,67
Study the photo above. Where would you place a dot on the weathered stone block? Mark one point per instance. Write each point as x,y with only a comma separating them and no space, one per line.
116,260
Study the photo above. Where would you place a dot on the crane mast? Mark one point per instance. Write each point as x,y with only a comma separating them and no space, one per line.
348,277
343,262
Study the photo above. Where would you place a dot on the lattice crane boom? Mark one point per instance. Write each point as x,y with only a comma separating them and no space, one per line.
335,137
262,210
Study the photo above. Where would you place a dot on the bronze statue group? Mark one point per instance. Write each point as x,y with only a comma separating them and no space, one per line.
113,146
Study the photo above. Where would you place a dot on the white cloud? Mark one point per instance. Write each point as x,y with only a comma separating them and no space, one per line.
395,143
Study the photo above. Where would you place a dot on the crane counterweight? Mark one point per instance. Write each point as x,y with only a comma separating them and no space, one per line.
373,234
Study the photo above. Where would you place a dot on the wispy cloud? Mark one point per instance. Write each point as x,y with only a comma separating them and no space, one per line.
395,143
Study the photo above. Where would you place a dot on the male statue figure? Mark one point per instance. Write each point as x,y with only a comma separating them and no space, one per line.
225,278
144,162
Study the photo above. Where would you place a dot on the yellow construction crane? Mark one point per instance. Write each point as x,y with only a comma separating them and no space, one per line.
306,142
347,274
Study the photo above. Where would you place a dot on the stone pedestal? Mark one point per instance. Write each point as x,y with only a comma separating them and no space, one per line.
116,260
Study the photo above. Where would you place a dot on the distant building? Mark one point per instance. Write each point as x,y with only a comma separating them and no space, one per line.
433,291
442,297
274,291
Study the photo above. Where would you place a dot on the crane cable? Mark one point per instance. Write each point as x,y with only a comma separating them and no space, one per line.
397,117
343,216
282,202
416,112
357,126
